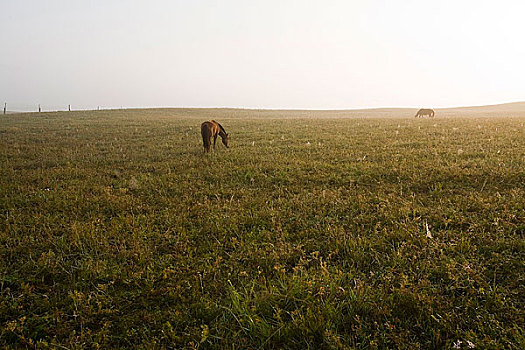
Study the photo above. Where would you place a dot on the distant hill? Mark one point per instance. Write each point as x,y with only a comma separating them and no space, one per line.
504,107
499,110
510,109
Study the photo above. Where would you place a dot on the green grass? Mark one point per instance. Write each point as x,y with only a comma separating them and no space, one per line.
309,232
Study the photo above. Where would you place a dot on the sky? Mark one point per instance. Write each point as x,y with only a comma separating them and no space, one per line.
261,54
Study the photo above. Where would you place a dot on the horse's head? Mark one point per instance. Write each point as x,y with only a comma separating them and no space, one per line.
225,140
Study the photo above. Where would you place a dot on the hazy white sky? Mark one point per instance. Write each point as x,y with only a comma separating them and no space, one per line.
262,54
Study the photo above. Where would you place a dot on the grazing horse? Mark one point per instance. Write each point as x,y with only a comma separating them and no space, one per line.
423,111
212,129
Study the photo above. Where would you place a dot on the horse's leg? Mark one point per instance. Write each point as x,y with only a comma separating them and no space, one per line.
214,140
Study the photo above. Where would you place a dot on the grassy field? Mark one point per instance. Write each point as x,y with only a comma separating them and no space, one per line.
320,230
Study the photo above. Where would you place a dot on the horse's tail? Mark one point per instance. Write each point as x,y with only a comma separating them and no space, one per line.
205,132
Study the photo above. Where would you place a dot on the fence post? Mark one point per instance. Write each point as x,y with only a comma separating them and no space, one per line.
5,107
39,109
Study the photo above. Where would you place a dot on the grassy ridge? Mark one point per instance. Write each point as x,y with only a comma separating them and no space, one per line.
116,231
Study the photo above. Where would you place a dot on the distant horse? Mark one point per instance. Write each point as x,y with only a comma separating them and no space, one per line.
212,129
423,111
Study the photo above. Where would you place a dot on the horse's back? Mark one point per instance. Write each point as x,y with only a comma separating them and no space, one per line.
209,128
206,126
425,111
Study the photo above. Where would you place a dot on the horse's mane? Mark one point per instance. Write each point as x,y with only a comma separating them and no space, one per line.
220,126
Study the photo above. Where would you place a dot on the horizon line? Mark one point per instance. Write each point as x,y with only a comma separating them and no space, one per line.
259,108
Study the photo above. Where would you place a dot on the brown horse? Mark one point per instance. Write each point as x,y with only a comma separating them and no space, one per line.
423,111
212,129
